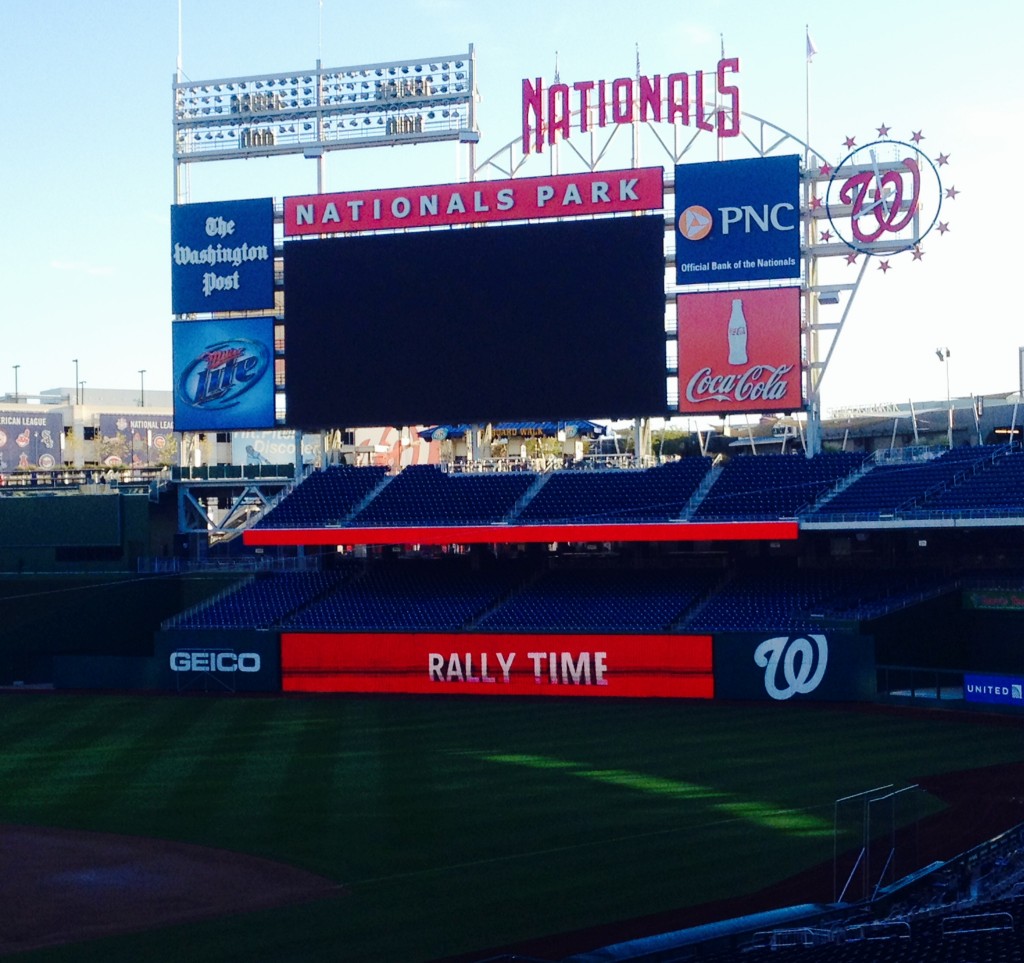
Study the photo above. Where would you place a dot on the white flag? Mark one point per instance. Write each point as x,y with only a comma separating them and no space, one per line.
811,49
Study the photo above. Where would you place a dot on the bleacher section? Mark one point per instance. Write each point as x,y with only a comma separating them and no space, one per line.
774,486
784,600
600,601
324,498
426,495
888,490
262,602
832,486
407,596
616,495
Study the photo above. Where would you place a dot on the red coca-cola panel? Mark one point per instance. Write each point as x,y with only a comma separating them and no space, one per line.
739,351
677,666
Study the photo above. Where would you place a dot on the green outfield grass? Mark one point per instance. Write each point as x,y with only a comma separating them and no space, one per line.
459,825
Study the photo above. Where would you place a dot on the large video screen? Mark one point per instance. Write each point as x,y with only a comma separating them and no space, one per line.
525,322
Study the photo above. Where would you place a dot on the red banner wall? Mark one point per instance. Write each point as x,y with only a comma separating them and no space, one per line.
664,666
477,202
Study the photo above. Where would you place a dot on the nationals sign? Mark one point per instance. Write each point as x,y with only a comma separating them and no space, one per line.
478,202
674,666
739,351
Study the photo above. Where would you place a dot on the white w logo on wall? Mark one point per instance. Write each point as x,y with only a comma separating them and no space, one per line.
803,659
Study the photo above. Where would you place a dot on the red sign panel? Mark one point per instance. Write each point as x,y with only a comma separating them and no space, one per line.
478,202
739,351
666,666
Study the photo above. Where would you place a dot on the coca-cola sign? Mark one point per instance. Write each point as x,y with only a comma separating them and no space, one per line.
739,351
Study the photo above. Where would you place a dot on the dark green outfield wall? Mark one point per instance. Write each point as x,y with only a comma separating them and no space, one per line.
100,614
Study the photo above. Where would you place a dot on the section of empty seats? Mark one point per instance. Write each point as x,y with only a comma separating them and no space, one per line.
888,489
261,602
409,595
325,497
599,601
427,495
775,486
616,494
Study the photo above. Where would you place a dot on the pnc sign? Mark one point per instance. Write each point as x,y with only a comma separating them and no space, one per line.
738,220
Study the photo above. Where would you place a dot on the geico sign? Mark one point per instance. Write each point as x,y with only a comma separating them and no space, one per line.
214,661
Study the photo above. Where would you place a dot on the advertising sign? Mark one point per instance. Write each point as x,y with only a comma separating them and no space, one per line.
223,374
221,660
222,256
30,440
738,220
463,664
561,195
739,351
272,448
994,689
136,439
779,667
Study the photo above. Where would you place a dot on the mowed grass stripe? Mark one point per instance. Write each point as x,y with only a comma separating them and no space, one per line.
443,851
94,770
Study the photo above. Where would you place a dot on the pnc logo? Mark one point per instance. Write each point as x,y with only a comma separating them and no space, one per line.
802,660
695,223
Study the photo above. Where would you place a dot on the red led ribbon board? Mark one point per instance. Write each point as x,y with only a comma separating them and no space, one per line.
644,666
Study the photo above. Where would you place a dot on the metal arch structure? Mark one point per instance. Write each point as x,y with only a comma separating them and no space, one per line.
819,337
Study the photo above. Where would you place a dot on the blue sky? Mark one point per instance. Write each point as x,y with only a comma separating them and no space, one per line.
86,164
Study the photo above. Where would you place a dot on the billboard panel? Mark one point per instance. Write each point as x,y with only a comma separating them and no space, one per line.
739,351
222,256
515,323
223,374
30,440
558,195
738,220
994,689
814,666
497,664
136,439
217,660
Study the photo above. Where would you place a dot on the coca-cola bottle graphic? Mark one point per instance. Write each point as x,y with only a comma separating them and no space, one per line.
737,334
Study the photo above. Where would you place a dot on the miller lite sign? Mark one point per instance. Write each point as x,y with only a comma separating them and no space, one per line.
739,351
223,374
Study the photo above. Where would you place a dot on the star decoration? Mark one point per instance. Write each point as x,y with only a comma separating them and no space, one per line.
815,202
851,258
826,235
849,143
942,160
943,226
951,193
918,253
917,137
883,266
825,170
883,131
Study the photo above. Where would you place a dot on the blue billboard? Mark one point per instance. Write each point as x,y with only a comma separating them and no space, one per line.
223,374
738,220
222,256
994,689
30,440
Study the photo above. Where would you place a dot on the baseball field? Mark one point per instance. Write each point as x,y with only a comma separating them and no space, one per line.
391,829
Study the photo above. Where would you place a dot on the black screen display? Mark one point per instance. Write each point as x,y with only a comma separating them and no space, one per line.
526,322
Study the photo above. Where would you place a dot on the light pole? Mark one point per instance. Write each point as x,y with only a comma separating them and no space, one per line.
16,367
943,355
81,385
142,387
75,360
